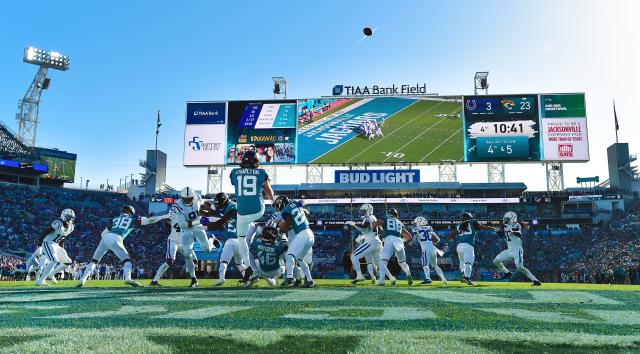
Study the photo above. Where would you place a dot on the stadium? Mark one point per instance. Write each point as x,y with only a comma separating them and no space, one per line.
154,201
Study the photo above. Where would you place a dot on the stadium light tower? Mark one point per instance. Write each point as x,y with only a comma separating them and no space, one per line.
29,105
480,82
279,87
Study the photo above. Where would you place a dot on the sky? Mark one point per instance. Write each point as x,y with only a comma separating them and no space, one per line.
129,59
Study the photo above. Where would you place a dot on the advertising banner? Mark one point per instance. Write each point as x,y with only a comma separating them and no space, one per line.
564,127
377,176
204,134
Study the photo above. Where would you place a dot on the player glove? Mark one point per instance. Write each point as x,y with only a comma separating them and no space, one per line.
204,220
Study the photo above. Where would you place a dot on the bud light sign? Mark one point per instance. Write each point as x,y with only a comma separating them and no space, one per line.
377,176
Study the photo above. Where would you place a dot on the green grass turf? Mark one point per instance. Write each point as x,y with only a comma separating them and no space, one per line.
335,317
417,132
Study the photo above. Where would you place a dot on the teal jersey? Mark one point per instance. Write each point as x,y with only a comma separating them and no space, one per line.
123,225
299,220
468,231
248,186
392,226
267,253
230,230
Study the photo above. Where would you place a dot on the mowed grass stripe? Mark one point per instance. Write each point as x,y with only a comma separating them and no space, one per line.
357,145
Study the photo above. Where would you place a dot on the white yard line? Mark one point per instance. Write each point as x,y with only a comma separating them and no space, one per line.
390,134
442,143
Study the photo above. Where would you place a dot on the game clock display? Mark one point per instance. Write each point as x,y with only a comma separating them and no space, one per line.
501,128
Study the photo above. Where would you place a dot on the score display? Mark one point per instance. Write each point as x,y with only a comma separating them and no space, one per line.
501,128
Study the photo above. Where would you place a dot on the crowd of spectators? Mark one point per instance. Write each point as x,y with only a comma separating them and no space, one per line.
603,253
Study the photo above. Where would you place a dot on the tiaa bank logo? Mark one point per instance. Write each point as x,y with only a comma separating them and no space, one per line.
197,144
338,90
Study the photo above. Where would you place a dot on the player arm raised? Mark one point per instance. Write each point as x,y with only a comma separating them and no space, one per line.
215,225
268,191
285,225
406,235
142,221
362,227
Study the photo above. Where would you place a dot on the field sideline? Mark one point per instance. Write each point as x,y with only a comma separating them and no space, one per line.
335,317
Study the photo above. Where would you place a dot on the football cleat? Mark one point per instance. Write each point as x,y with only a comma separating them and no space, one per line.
247,274
357,280
53,279
219,282
194,283
409,280
272,282
251,281
80,284
373,281
445,282
308,284
536,283
379,283
27,278
297,283
393,281
425,282
467,281
287,282
506,276
133,283
42,283
154,283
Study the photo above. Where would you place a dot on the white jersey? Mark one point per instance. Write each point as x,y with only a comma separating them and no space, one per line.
425,236
60,232
369,232
513,235
181,214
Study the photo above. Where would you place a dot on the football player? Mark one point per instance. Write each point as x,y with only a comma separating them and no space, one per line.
249,183
428,239
371,245
184,216
230,250
36,263
174,246
394,236
295,219
466,233
268,247
511,230
113,240
52,242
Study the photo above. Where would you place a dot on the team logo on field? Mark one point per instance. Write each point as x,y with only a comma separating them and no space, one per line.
565,150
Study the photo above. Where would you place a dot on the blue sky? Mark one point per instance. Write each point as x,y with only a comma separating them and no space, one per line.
131,58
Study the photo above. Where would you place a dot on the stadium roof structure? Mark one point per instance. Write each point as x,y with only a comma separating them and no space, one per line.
422,186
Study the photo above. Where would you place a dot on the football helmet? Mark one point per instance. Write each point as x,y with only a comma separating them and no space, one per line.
67,215
420,221
128,209
249,159
188,195
366,210
220,201
509,218
393,212
280,202
466,216
270,234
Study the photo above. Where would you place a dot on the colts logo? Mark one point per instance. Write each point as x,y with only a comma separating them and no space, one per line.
471,105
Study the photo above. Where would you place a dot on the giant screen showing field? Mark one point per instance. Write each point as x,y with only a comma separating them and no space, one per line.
388,130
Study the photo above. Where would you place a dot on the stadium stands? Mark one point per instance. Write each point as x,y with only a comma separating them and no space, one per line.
594,253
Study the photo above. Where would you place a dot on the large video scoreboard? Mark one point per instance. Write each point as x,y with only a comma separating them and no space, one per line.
388,130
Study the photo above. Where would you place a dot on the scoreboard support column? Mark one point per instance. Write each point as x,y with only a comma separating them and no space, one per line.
314,174
214,180
495,173
555,176
447,173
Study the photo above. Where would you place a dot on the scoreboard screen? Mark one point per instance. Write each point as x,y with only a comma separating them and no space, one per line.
502,128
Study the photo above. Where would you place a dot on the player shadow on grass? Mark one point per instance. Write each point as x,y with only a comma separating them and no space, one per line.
498,346
8,341
287,344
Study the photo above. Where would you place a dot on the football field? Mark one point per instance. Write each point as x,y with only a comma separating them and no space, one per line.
335,317
424,132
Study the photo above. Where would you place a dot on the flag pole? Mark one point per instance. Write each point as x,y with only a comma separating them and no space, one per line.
615,117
